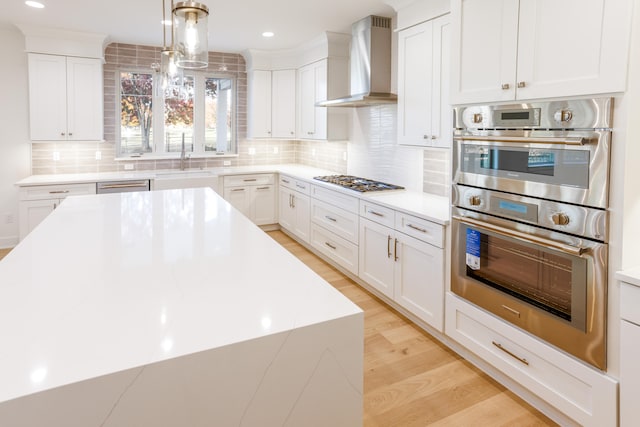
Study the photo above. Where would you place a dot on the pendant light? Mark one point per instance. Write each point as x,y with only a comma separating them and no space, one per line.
171,76
191,34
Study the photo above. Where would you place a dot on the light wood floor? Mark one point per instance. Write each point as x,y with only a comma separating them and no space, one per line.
410,379
4,252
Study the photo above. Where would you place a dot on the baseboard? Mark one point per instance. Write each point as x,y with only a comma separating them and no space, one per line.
8,242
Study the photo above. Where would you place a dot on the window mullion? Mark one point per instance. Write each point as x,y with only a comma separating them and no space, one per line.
199,113
158,119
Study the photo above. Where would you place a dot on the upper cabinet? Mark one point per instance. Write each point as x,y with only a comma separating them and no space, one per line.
424,112
319,81
507,50
65,98
272,104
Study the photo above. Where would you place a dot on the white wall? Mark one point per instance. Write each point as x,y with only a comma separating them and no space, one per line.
14,130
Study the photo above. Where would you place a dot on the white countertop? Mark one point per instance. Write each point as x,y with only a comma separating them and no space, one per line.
631,276
427,206
115,281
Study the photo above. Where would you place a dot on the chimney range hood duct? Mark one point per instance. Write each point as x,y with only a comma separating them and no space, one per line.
370,65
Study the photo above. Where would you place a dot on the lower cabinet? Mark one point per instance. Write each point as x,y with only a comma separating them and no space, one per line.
295,207
580,392
405,269
253,195
629,354
37,202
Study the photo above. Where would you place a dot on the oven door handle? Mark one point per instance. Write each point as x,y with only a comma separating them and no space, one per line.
527,140
549,244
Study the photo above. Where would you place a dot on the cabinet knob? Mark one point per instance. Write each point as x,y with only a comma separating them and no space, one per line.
269,132
434,137
475,200
477,118
62,134
70,133
505,86
521,84
292,133
563,116
425,136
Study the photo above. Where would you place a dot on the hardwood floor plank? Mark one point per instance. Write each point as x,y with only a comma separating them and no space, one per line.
412,379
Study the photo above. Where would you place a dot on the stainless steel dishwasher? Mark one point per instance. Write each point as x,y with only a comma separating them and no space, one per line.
122,186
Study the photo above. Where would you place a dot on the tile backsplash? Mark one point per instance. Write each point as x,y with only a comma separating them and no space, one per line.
372,149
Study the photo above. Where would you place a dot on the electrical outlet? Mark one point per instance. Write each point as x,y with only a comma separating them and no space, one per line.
344,156
313,152
8,219
56,156
226,163
275,150
252,151
129,166
98,155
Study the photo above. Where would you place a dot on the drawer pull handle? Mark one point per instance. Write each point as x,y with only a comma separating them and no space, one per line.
395,250
388,246
511,310
59,192
375,213
330,219
250,180
301,186
330,245
238,189
286,181
422,230
262,188
520,359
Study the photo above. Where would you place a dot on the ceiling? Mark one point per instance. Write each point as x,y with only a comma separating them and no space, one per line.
234,25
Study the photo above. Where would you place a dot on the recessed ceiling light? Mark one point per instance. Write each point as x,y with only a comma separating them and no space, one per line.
35,4
166,22
267,34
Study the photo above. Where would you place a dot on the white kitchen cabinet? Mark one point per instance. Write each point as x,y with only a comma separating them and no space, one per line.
254,195
37,202
424,112
319,81
507,50
629,354
586,395
65,98
403,268
295,207
272,104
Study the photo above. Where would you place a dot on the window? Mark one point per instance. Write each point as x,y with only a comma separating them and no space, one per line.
200,113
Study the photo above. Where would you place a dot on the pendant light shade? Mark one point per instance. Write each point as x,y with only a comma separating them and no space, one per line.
191,34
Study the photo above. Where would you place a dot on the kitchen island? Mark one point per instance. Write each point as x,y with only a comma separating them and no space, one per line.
170,308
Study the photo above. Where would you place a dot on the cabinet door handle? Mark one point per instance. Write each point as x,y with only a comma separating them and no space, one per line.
395,250
330,245
422,230
521,85
262,188
250,180
520,359
375,213
388,246
505,86
290,202
55,205
330,218
59,192
293,201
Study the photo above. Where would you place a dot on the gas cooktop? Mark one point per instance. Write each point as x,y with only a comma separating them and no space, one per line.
357,184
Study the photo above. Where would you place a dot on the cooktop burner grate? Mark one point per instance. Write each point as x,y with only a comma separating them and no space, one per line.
357,184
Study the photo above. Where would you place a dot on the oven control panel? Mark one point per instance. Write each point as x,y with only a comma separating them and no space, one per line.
578,220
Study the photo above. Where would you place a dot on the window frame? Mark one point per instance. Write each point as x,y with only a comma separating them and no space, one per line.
159,148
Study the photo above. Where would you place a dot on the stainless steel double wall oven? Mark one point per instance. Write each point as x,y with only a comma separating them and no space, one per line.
530,222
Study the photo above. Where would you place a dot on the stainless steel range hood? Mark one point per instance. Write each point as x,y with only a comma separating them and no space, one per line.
370,65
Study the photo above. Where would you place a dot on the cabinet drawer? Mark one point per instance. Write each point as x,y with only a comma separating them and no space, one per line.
41,192
344,201
295,184
421,229
582,393
377,213
335,219
341,251
629,302
253,179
